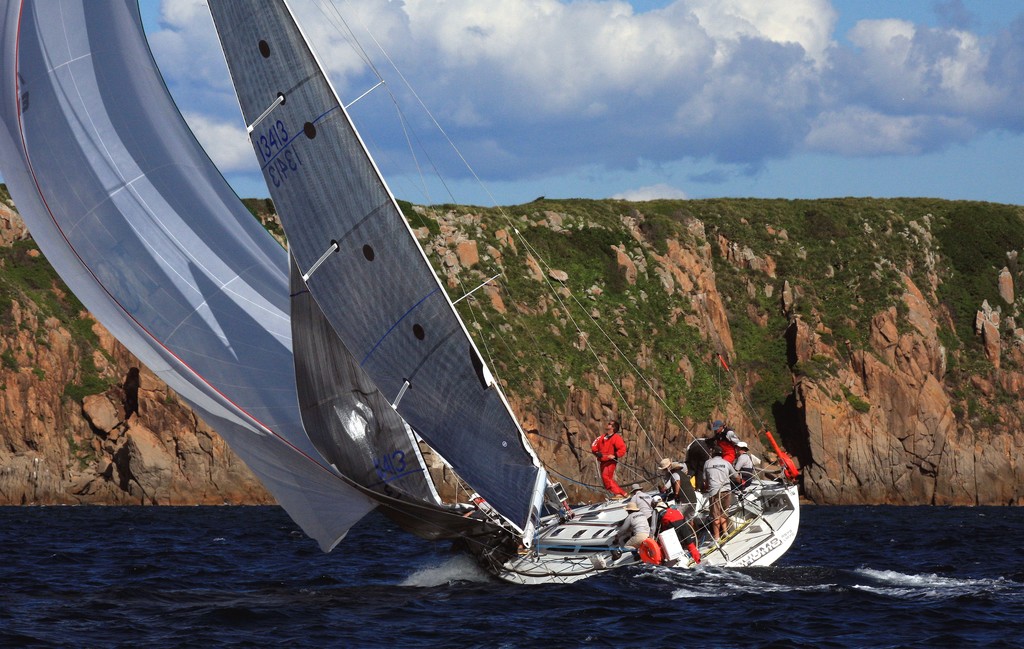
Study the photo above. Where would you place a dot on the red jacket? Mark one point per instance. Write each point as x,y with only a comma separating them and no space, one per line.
671,515
613,446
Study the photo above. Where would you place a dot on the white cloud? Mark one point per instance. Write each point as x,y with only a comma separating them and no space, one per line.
186,46
226,143
532,88
183,12
857,131
932,70
545,57
807,23
650,193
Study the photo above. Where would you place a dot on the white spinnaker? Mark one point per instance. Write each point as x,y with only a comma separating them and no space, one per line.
138,222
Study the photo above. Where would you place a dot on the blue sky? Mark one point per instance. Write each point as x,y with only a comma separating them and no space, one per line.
653,98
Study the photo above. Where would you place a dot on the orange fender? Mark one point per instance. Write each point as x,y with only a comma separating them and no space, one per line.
650,551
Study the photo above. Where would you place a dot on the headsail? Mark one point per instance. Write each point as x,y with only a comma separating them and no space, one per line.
344,414
357,430
363,264
140,224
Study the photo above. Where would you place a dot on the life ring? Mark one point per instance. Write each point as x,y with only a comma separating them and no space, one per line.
650,551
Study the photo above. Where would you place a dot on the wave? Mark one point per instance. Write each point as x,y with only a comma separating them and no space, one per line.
729,582
711,583
924,586
455,569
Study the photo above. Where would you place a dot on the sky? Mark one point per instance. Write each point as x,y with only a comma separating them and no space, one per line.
648,98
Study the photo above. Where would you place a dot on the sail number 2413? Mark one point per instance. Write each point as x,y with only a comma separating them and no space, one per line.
276,156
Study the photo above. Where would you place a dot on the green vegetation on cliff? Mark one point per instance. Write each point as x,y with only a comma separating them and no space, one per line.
842,260
29,283
834,263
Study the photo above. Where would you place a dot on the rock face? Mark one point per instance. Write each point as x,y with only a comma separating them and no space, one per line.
879,423
894,417
55,449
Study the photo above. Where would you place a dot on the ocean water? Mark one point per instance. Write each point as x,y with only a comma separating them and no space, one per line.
247,577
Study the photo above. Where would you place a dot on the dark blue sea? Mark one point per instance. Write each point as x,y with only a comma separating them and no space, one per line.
247,577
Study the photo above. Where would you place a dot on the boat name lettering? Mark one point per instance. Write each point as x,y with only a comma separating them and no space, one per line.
390,466
761,550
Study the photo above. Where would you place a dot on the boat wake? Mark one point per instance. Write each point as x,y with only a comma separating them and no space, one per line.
458,568
922,586
713,582
708,583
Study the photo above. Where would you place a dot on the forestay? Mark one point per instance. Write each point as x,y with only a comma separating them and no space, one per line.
363,264
133,215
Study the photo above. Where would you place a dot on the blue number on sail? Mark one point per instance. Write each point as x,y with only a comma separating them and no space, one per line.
390,467
272,140
277,156
281,165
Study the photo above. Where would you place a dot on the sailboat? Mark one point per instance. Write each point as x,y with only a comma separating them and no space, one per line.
327,367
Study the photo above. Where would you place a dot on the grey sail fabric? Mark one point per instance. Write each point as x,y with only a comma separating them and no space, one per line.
136,219
356,429
348,420
375,286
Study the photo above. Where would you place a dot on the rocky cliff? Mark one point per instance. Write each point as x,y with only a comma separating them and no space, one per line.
64,438
862,332
887,361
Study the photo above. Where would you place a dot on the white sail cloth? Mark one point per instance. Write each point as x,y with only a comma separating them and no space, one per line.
130,211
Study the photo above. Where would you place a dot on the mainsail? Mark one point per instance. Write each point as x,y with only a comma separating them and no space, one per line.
133,215
362,263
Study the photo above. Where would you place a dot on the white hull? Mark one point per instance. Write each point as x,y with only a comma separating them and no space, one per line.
763,525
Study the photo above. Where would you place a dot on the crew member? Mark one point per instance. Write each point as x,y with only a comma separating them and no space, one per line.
673,519
726,439
719,476
744,465
634,529
608,448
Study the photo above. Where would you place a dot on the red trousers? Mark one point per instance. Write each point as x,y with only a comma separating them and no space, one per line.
608,478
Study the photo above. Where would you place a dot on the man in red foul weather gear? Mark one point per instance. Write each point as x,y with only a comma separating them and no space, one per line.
726,439
673,519
608,448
